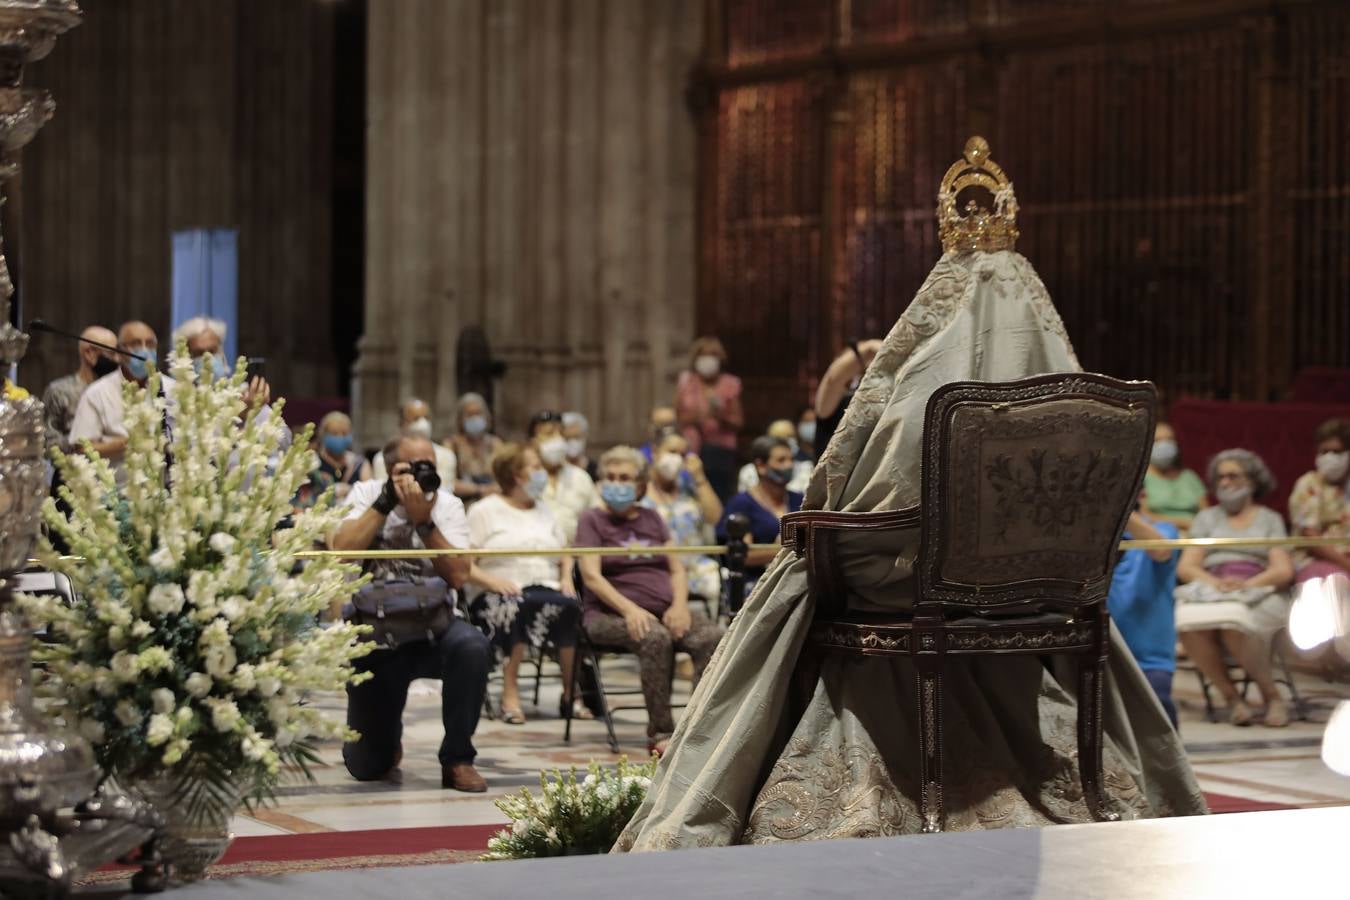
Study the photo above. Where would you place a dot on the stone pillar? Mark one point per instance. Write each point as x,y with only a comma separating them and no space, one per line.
530,171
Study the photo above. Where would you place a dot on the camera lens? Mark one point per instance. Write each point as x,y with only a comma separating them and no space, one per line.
426,476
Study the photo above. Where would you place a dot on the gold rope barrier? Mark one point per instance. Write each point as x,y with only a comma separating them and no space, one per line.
720,549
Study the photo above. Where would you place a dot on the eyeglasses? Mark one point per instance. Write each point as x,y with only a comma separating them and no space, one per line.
622,478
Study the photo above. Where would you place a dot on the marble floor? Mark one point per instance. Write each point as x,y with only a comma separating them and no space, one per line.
1281,766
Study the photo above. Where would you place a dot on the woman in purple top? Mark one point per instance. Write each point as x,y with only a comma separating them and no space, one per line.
639,601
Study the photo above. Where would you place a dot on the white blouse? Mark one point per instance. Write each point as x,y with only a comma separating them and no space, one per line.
496,524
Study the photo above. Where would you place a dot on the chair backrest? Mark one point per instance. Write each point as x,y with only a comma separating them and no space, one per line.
1027,486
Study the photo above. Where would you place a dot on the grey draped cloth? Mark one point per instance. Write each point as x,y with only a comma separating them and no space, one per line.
740,769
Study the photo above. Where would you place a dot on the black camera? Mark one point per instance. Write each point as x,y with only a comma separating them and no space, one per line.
426,476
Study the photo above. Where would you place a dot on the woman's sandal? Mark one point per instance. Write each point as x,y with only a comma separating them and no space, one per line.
579,710
1277,714
1240,714
658,748
513,716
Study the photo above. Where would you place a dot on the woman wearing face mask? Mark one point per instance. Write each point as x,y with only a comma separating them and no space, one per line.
523,601
1233,598
1318,506
765,503
708,406
575,430
806,436
339,467
681,495
570,490
474,444
640,600
782,429
1172,493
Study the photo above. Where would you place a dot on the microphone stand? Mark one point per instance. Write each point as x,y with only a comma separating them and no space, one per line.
738,526
42,326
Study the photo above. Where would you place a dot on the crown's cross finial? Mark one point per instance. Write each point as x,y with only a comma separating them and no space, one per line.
976,227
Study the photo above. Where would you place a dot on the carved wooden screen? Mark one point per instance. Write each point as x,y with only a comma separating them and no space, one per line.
1182,165
1131,165
900,128
768,248
759,30
1319,193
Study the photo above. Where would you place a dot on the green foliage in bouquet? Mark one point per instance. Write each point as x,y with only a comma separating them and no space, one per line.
194,649
569,816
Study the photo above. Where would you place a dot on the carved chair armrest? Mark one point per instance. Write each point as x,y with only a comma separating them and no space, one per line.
812,533
797,527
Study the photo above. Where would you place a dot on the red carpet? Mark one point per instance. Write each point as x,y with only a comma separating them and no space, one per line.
383,841
1223,803
329,850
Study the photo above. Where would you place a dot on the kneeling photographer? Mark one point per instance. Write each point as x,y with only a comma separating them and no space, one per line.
411,605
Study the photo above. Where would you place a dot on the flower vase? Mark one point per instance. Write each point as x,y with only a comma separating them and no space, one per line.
195,836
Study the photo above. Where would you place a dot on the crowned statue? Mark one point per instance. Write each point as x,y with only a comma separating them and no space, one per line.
743,768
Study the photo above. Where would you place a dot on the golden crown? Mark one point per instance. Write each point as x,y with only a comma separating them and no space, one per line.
976,227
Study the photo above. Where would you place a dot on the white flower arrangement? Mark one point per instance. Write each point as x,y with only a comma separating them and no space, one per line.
569,816
194,647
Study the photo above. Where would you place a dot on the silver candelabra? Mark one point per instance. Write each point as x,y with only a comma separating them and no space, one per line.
55,821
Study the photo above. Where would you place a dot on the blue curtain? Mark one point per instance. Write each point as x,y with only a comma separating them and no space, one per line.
206,279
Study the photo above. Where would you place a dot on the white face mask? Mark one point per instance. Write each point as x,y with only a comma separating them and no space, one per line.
553,451
668,466
707,365
1233,499
1333,465
419,427
576,448
1164,453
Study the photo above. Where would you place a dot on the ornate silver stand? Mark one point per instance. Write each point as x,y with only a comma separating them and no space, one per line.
54,821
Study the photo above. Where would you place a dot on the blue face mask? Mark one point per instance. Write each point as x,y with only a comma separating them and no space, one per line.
337,444
618,496
537,484
141,365
475,425
219,368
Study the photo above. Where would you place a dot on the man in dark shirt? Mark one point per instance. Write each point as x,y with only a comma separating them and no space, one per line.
639,601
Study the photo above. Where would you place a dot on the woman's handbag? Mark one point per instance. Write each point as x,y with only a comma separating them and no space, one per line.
402,611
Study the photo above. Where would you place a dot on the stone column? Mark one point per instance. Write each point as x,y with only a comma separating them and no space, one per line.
375,379
581,190
621,202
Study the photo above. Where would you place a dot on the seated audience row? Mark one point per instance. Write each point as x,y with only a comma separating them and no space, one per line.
1232,601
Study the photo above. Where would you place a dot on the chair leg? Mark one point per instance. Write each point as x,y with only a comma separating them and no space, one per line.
1278,657
1210,713
575,690
931,801
538,674
1091,674
604,702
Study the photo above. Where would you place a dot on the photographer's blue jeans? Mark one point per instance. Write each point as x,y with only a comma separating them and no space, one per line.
459,658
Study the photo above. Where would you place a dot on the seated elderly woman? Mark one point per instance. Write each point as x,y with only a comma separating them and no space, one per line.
523,601
1233,598
1318,506
339,467
639,601
473,444
680,492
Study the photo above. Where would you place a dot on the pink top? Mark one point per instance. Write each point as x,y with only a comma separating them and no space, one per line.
691,401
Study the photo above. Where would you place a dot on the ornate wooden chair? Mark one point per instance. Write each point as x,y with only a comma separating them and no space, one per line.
1026,489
